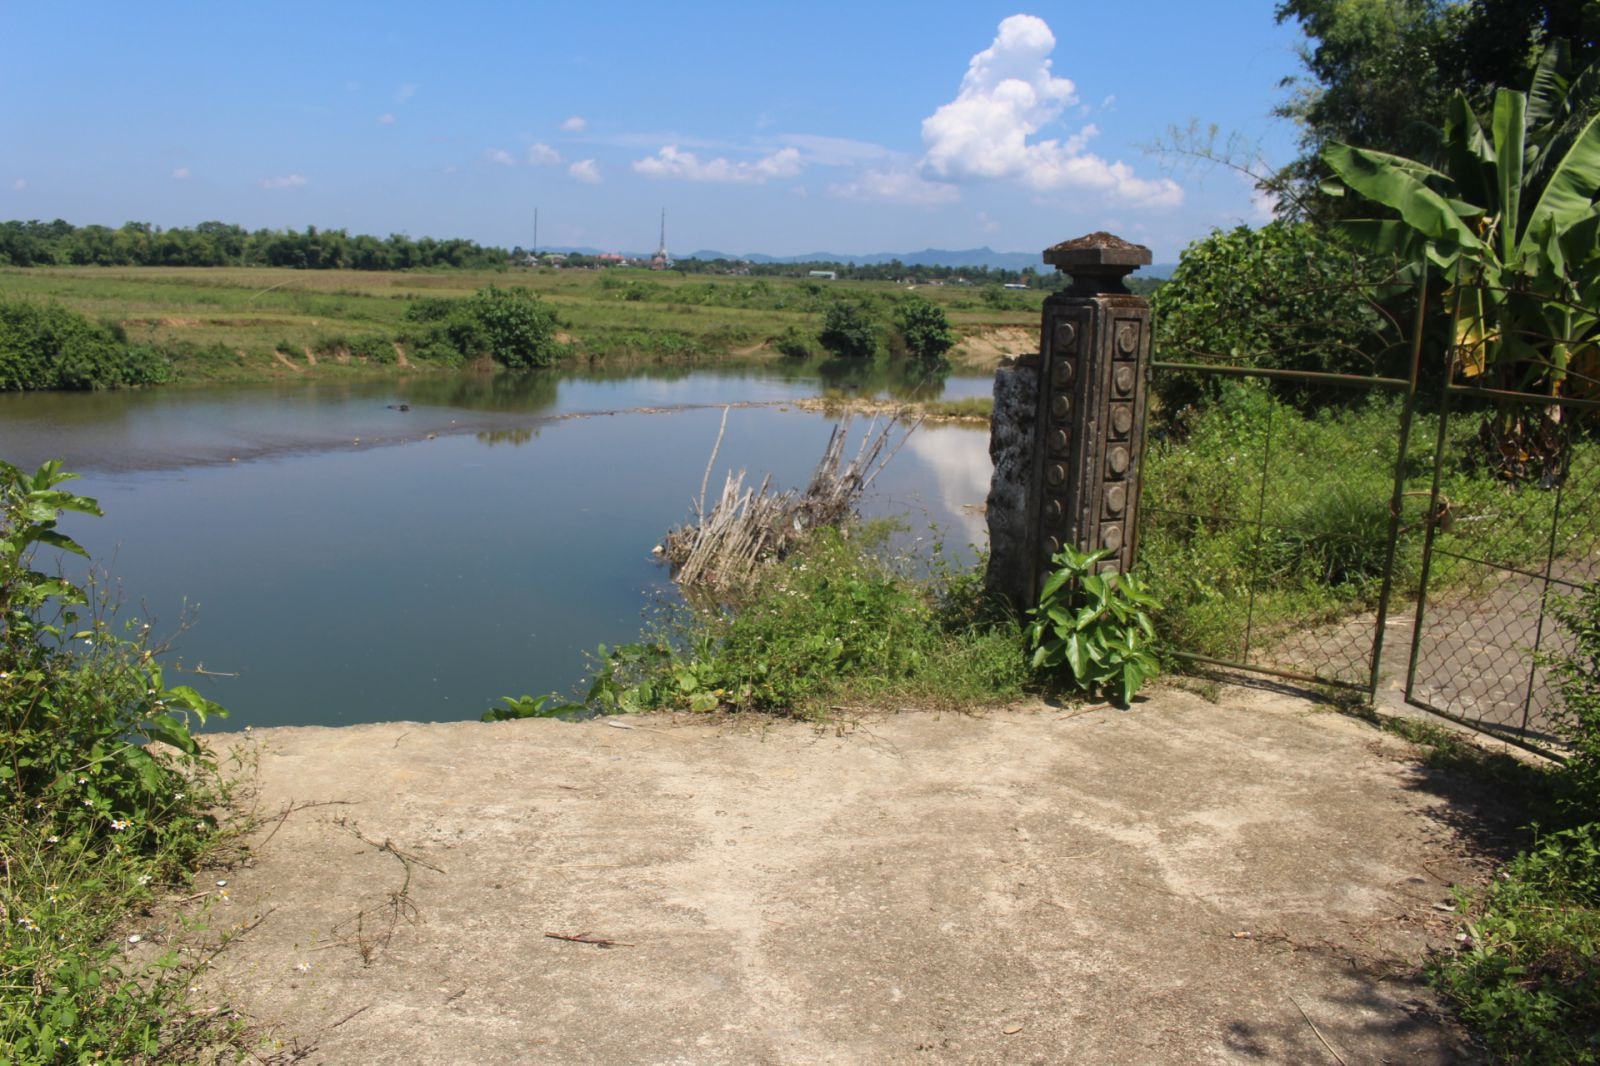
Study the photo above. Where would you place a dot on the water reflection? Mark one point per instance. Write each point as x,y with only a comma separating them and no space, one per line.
899,379
959,460
513,437
528,392
172,428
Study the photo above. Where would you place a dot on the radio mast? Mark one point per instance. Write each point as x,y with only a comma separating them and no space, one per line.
660,261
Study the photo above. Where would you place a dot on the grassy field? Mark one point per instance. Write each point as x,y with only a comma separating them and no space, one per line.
247,323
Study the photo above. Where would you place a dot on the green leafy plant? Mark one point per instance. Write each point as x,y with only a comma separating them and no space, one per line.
516,707
95,815
1528,976
1512,224
1286,296
519,330
62,711
1094,627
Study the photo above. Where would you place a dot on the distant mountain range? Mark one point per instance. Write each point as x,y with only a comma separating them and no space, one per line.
967,257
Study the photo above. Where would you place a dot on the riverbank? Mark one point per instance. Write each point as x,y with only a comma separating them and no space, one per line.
1183,882
242,325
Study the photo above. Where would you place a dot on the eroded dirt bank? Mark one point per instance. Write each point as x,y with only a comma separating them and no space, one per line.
1184,882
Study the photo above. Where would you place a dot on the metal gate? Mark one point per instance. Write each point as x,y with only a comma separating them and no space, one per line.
1459,591
1492,573
1270,518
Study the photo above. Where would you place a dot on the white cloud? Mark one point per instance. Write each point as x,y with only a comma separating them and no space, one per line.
575,124
19,185
835,151
181,173
288,181
405,92
1263,206
500,156
1008,95
669,162
986,224
896,186
586,170
542,155
386,119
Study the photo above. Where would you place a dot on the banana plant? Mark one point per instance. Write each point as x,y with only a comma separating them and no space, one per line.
1511,223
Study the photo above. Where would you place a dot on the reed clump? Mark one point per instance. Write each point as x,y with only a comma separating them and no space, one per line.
747,528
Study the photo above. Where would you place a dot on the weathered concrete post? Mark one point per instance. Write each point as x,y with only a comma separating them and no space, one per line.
1069,423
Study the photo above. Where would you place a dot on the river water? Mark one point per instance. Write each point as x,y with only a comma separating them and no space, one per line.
344,561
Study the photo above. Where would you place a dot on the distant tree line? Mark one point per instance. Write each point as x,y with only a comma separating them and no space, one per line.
893,270
60,243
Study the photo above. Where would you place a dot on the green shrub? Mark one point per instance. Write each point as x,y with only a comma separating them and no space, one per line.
511,326
1286,296
518,329
848,330
47,346
373,349
793,343
924,329
999,298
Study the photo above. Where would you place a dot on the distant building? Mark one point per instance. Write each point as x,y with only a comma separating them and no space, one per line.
826,275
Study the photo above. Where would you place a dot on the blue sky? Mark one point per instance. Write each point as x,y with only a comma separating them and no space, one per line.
759,127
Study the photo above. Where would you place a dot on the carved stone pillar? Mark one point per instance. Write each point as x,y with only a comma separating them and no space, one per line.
1095,351
1069,423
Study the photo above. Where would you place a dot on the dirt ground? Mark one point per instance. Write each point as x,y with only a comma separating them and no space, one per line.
1249,880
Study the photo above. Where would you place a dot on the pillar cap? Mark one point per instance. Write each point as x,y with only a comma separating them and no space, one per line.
1097,262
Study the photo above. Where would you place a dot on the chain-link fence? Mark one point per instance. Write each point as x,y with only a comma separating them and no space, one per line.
1269,523
1499,555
